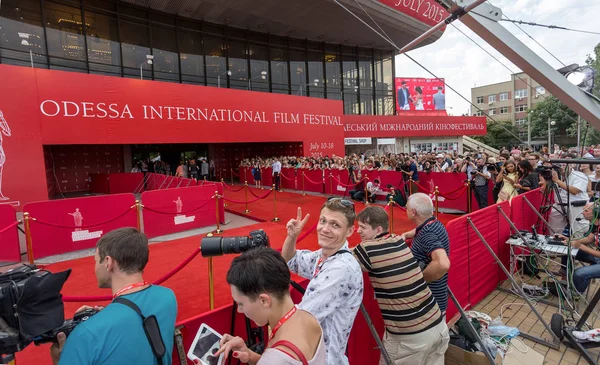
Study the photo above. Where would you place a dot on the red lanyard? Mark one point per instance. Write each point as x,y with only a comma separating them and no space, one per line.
129,287
319,266
281,322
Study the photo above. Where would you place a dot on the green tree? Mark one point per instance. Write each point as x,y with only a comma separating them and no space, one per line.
497,136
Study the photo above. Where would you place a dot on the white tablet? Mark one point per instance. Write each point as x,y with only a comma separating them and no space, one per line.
205,345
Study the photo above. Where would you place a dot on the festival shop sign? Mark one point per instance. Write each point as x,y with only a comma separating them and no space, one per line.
412,126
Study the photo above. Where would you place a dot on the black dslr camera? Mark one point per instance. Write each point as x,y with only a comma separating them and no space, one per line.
31,307
217,246
67,327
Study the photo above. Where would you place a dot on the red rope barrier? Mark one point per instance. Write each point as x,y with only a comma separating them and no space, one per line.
252,192
14,224
81,227
453,191
102,298
313,182
234,174
175,213
233,190
399,206
177,268
249,201
285,177
347,186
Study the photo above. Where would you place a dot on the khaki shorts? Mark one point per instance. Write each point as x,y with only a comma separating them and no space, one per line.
426,348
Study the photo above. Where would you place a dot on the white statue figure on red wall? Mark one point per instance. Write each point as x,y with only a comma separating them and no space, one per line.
77,218
4,130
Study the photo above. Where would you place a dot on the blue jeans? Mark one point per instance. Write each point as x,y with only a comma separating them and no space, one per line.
583,275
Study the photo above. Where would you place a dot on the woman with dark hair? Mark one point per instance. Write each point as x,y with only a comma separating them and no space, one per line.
260,282
508,177
419,98
528,179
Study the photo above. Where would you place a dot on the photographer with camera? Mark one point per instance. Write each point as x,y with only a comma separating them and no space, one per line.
260,285
416,332
335,291
116,334
480,176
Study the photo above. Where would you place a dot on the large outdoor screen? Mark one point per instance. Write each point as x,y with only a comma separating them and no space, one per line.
420,94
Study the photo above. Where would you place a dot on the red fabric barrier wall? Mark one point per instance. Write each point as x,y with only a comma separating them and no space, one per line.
336,184
458,276
177,210
99,183
447,183
125,182
483,268
218,319
522,215
313,180
360,345
289,182
266,176
9,237
74,224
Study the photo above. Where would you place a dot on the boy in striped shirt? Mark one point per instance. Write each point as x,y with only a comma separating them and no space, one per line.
416,332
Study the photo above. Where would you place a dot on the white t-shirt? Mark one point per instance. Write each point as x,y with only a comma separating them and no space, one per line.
578,180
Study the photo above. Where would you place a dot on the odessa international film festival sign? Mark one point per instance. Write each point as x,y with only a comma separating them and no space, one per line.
46,107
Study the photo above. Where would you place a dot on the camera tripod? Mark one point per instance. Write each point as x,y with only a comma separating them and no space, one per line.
547,205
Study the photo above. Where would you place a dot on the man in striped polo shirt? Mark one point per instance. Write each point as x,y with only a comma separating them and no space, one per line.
416,333
430,246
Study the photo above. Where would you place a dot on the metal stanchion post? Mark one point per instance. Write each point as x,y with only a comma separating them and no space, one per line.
331,183
246,185
391,214
223,186
211,284
138,207
468,197
437,202
366,194
303,192
28,241
218,230
231,177
276,219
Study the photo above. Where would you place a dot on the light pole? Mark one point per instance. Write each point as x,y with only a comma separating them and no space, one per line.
529,129
149,59
263,75
25,42
228,73
315,83
550,123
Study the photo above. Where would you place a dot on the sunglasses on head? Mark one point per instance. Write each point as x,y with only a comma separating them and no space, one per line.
344,202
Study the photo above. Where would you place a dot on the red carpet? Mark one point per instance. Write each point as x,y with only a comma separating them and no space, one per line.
191,284
288,203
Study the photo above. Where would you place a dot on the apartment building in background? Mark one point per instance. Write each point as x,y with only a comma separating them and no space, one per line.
510,100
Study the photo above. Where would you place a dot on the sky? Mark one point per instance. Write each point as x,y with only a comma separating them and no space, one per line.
464,65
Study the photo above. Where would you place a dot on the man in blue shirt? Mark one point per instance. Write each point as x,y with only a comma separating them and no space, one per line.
115,335
430,246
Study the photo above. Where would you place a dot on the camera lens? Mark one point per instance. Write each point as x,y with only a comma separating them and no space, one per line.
211,246
235,245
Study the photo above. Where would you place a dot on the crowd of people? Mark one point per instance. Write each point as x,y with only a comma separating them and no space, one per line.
513,171
410,285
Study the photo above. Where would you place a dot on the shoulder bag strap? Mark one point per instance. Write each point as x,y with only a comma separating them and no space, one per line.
294,349
151,329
